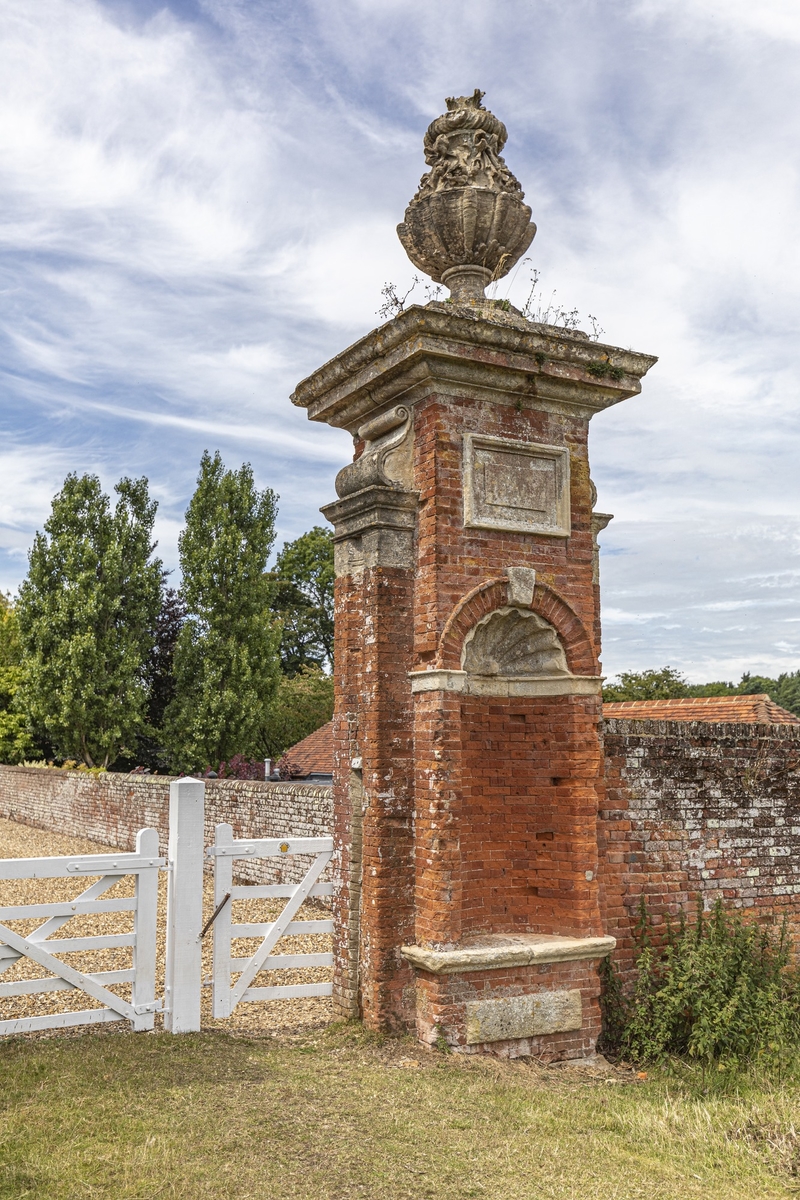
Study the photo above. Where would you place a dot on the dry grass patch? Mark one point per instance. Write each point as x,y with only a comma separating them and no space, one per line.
339,1113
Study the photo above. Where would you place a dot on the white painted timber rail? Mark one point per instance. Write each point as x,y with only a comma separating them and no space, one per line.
226,996
41,948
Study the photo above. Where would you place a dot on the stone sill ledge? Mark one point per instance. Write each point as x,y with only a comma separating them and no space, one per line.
438,680
511,950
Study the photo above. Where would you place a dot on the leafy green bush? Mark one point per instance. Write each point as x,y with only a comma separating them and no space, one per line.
724,991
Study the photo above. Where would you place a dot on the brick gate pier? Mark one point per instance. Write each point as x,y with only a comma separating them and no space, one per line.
468,764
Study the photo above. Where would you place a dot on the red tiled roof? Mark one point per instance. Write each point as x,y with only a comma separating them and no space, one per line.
314,755
756,710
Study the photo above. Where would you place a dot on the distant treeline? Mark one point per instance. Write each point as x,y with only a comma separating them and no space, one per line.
668,684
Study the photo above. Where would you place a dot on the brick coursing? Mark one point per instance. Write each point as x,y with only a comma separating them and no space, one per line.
696,811
111,808
691,809
372,828
441,1004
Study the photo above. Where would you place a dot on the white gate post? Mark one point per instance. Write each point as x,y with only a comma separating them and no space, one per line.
184,905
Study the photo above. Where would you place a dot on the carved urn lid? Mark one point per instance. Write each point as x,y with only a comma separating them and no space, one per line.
467,224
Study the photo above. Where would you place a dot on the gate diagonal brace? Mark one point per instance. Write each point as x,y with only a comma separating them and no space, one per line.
8,956
299,895
61,969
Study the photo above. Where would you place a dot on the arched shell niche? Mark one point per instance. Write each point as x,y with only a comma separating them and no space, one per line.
513,642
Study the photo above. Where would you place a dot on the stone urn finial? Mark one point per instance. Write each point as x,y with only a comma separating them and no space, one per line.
467,223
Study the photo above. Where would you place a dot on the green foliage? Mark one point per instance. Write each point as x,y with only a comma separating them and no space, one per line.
86,614
722,992
150,749
604,368
303,599
785,690
664,684
669,684
717,688
16,742
226,656
302,703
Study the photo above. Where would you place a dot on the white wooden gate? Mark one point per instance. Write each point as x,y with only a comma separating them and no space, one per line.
225,849
184,925
43,949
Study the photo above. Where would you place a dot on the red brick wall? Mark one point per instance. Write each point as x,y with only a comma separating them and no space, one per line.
452,559
373,804
484,777
529,815
112,808
691,809
698,811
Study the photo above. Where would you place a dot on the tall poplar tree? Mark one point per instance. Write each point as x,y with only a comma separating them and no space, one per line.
86,613
16,742
226,663
303,598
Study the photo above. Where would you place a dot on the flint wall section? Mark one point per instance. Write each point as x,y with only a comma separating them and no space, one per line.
111,808
696,811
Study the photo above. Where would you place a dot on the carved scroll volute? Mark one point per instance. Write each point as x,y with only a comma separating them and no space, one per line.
387,458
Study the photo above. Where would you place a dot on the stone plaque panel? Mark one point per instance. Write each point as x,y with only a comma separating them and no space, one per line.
519,486
523,1016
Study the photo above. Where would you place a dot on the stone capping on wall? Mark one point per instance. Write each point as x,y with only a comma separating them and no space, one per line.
348,389
508,950
716,730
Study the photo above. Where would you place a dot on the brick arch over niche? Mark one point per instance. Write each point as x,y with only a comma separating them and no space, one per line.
493,594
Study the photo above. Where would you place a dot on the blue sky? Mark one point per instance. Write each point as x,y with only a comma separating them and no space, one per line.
197,208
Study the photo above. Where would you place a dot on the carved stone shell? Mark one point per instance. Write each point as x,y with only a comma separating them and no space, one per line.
514,642
466,226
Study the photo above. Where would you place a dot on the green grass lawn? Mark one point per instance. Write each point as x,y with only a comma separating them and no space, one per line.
338,1113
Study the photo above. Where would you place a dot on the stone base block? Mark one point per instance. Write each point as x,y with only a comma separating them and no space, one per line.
550,1011
511,1017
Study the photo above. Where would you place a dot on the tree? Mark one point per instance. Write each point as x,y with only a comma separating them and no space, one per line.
226,656
86,615
667,684
150,750
303,599
664,684
302,703
16,742
785,690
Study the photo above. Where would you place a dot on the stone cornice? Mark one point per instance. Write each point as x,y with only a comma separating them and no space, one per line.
447,348
517,950
372,507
